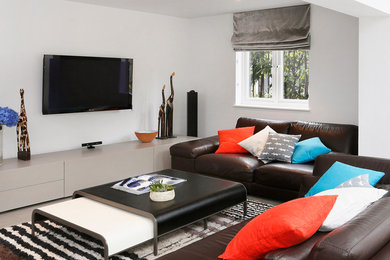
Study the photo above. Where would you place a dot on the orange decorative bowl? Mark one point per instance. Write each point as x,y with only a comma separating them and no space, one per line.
146,136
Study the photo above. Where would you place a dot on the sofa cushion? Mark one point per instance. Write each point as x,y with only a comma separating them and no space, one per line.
339,173
260,124
237,167
308,150
358,181
229,139
338,137
350,202
279,147
255,144
283,175
282,226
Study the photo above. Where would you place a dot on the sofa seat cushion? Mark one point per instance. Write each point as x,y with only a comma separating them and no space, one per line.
283,175
237,167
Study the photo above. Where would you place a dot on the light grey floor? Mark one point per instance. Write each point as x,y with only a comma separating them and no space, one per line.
21,215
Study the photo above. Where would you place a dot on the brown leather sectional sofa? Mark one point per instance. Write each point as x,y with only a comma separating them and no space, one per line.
281,181
367,236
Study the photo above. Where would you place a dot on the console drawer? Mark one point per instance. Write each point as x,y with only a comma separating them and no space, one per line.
27,176
25,196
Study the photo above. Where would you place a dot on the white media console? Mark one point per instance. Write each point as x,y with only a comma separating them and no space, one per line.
57,175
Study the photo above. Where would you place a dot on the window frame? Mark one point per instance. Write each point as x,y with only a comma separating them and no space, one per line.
277,101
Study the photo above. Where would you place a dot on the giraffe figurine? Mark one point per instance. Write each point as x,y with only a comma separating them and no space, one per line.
161,118
21,127
170,110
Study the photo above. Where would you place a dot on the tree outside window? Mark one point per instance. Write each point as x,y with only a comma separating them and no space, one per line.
273,78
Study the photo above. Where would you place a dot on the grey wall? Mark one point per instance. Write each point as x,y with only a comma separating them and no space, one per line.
29,29
333,72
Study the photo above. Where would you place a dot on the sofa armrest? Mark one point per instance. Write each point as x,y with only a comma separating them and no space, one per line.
195,148
360,238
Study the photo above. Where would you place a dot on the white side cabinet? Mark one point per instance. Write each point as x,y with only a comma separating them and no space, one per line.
56,175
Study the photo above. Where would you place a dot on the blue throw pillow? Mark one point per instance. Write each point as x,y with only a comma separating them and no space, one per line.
339,173
307,150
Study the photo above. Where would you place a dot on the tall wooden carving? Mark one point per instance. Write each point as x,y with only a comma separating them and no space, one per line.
170,110
22,133
161,118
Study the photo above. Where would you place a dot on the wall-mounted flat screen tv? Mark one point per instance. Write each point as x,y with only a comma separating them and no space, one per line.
81,84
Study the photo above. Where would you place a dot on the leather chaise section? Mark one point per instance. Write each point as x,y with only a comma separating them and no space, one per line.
298,252
359,238
208,248
237,167
383,254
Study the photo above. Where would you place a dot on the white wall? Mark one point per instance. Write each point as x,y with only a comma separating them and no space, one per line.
333,72
198,50
30,29
374,86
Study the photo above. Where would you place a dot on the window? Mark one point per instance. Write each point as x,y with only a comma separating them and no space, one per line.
273,79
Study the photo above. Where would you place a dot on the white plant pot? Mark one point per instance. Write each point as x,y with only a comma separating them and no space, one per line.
162,196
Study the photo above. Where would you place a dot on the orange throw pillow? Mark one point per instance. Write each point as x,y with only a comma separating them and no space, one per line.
282,226
229,139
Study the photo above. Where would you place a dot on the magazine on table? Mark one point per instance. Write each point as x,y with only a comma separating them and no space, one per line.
140,184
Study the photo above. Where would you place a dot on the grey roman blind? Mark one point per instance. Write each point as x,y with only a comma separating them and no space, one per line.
286,28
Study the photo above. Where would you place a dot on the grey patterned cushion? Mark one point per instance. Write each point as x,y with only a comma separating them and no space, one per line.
358,181
279,147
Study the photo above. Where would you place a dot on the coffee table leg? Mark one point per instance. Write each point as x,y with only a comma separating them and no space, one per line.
245,208
35,216
155,246
205,223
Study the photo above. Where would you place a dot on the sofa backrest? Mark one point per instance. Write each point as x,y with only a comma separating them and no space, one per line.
279,126
340,138
324,162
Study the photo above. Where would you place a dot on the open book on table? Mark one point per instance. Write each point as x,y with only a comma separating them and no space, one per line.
140,184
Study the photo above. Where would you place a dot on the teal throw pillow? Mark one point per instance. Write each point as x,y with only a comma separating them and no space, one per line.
339,173
307,150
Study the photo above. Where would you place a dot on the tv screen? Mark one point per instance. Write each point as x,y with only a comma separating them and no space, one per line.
81,84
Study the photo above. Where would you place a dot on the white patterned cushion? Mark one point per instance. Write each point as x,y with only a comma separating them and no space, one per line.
350,202
279,147
255,144
358,181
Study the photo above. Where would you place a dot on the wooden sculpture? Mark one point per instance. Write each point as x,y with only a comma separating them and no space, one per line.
22,133
161,118
170,110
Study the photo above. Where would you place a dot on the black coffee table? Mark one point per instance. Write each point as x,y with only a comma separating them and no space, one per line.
196,199
112,216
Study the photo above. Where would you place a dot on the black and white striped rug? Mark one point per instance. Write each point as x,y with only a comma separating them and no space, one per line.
54,241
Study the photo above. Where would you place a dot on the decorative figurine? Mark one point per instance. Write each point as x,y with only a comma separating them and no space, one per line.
161,118
23,139
170,110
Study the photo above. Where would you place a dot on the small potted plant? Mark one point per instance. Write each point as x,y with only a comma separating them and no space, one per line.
161,192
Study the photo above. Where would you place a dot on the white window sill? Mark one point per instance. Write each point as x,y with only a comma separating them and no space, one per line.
276,107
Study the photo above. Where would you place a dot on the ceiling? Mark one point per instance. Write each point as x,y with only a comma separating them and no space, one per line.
200,8
193,8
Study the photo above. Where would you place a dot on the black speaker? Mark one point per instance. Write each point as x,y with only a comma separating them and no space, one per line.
192,113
